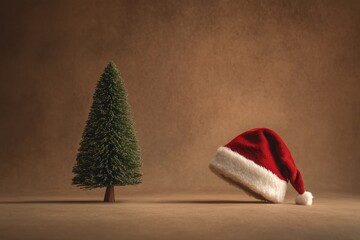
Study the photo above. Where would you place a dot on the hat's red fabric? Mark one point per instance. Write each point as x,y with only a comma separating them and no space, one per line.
267,149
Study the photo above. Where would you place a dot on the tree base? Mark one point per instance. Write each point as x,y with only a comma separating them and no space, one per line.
109,194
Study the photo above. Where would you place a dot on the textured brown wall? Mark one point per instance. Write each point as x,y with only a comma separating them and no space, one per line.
198,73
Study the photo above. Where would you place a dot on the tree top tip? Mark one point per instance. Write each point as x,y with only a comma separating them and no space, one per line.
111,64
111,67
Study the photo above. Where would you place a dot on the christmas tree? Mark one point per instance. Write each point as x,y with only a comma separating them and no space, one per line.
109,154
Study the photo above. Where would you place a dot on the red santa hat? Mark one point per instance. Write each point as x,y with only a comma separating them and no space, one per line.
259,162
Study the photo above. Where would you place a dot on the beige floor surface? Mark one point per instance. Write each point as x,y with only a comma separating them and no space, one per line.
178,216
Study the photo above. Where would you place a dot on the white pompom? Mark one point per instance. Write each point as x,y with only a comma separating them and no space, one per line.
304,199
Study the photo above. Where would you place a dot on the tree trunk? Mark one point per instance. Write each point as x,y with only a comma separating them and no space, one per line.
109,194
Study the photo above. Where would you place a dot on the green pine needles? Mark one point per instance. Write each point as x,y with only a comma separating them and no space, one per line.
109,154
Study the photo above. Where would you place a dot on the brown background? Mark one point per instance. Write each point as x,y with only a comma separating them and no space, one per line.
197,72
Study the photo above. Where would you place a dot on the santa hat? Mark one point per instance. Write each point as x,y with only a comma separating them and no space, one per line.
259,162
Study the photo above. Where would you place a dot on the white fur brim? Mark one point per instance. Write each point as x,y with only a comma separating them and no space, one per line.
304,199
245,172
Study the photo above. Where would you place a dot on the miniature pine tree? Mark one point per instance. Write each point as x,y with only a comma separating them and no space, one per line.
109,154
